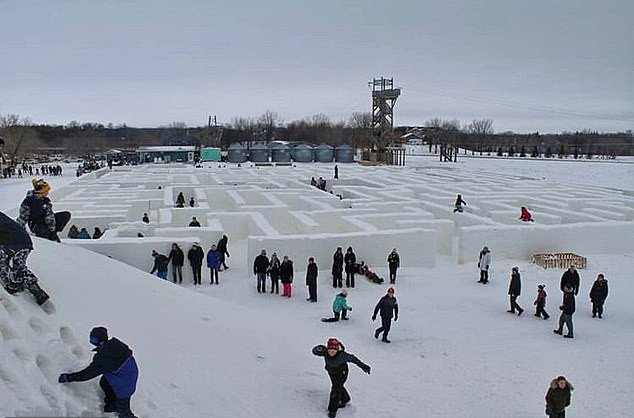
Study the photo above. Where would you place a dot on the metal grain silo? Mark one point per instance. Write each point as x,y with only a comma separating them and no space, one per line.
280,153
324,153
303,153
259,153
236,153
344,154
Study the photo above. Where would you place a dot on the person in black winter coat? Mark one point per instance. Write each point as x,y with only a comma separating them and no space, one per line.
115,362
567,310
160,265
222,247
393,262
194,223
570,278
15,247
350,260
386,307
515,289
312,271
177,257
558,397
36,211
286,276
337,268
260,267
337,360
598,295
195,255
274,273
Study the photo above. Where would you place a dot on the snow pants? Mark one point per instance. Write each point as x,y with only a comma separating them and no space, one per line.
261,278
386,324
286,289
15,276
514,304
112,403
338,393
393,274
540,311
561,414
597,308
349,278
337,315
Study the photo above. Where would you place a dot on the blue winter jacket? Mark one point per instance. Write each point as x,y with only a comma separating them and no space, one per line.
214,259
115,361
340,303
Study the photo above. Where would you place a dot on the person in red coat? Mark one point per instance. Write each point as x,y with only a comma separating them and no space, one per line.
526,215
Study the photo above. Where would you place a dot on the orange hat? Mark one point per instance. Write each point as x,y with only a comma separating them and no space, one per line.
40,186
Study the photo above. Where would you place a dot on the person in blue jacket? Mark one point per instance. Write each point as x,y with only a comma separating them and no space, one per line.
214,261
115,362
340,307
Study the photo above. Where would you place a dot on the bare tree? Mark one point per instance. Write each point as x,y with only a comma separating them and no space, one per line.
361,125
267,122
19,134
481,127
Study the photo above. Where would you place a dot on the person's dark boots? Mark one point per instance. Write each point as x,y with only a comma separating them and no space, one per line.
568,336
385,340
556,331
40,295
332,414
520,312
376,333
110,407
546,317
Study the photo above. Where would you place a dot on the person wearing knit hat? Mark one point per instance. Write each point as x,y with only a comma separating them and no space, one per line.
340,307
387,306
115,362
36,211
337,359
195,255
540,302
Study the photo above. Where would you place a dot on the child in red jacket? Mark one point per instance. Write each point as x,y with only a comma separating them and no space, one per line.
540,302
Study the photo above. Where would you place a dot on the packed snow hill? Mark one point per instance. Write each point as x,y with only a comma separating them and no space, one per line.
226,350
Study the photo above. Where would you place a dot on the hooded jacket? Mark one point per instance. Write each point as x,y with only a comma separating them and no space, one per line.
599,291
558,399
115,361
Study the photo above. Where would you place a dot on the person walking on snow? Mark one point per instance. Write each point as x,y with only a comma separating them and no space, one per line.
115,362
387,306
540,302
160,265
515,289
274,273
177,257
571,279
558,397
195,256
312,271
222,247
598,295
567,310
350,260
36,211
337,359
336,171
458,205
260,267
15,247
393,262
286,276
484,262
337,268
340,307
180,200
214,261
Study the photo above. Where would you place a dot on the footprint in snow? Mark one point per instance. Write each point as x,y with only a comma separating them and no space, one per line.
39,326
9,305
67,336
22,354
7,332
45,365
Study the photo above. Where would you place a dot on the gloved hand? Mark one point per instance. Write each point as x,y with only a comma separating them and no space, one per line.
478,265
366,368
374,317
350,308
63,378
395,318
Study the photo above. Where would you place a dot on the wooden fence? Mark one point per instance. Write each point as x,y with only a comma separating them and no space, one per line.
559,260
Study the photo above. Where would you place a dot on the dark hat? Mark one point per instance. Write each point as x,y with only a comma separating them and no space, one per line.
40,186
541,286
98,335
333,344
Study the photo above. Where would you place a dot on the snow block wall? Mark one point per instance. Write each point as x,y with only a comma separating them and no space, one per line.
372,209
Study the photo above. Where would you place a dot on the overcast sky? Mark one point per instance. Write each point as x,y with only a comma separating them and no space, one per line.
539,65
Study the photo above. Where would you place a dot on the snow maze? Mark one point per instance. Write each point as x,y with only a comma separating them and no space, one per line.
372,209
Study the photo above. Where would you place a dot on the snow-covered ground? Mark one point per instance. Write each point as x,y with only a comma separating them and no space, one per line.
227,351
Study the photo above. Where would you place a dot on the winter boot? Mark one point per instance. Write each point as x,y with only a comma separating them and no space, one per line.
40,295
568,336
556,331
332,414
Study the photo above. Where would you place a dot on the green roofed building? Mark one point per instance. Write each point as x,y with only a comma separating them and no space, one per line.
210,154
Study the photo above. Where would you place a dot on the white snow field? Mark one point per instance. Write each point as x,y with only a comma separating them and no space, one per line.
227,351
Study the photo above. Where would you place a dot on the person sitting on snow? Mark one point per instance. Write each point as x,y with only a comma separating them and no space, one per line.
525,215
36,211
15,246
115,362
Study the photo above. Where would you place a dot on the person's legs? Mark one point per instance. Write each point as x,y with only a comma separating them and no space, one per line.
386,323
173,273
335,317
568,321
352,279
179,269
600,309
560,329
22,276
7,273
216,274
109,396
348,274
336,390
